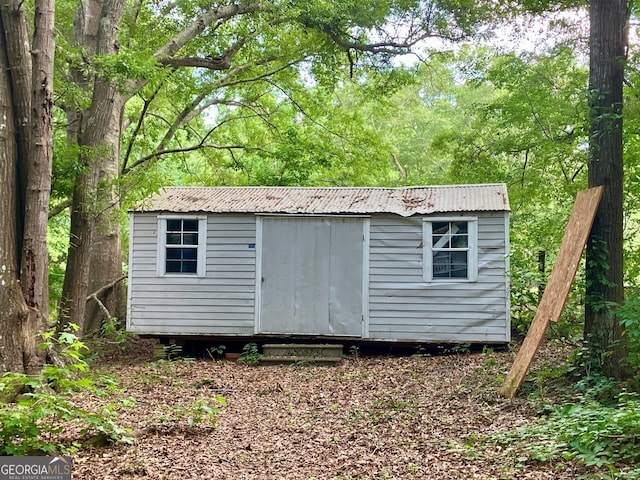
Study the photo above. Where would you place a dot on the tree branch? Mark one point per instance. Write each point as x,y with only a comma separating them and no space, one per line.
220,62
192,148
61,207
348,43
201,22
210,63
106,287
134,136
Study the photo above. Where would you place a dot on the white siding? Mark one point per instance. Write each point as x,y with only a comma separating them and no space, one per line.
398,304
220,303
403,307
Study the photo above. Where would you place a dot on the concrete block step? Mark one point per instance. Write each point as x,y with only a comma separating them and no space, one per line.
299,360
313,350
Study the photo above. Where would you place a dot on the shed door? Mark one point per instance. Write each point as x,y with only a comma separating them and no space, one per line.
311,276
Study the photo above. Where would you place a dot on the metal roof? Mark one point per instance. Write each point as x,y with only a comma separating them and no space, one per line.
404,201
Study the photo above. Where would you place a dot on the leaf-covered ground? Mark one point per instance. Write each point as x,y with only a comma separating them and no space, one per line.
370,417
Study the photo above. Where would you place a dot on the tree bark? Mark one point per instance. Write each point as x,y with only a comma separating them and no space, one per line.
13,308
93,134
105,263
604,268
26,139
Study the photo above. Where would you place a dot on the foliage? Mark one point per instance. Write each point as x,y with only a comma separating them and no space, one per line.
597,434
57,245
35,422
250,354
114,329
216,351
196,412
629,318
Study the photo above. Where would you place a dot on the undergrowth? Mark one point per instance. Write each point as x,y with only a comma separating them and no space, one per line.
597,422
38,410
600,436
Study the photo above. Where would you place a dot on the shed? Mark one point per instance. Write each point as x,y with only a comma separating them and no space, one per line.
412,264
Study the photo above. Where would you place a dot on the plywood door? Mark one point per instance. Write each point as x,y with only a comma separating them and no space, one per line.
311,276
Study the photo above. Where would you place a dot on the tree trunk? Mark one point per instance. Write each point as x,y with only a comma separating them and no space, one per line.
13,308
94,134
604,268
25,181
106,254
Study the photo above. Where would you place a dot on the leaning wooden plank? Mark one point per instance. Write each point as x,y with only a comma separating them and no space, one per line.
557,289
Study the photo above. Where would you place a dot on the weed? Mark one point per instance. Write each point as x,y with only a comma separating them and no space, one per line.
250,354
195,413
629,317
112,328
456,349
216,352
172,351
421,352
603,436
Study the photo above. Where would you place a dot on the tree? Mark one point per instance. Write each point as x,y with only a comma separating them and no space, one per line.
26,139
604,268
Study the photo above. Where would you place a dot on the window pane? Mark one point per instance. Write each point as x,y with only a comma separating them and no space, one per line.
459,241
440,241
459,271
459,227
173,266
450,249
459,264
459,257
182,260
189,254
190,225
440,227
174,225
441,264
173,238
189,267
190,239
450,265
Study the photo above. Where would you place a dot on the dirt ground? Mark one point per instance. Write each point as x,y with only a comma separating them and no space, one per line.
370,417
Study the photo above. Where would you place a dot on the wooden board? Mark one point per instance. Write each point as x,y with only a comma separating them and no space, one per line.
557,289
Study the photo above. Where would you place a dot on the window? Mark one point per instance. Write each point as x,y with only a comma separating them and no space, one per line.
181,245
450,252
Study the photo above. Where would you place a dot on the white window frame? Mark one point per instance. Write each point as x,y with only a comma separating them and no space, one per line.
428,249
201,255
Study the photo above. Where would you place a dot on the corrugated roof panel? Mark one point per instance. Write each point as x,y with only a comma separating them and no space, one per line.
404,201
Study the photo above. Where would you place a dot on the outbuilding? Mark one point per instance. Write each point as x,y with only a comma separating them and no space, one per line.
426,264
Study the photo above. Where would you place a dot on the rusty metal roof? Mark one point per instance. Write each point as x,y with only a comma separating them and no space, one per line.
404,201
